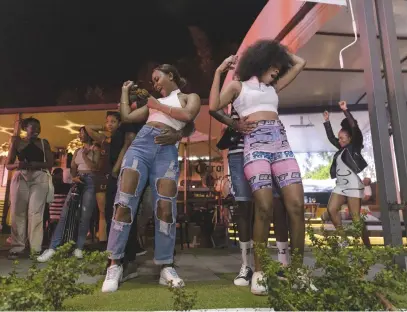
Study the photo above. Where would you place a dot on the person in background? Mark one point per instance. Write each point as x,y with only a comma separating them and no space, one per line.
61,191
265,69
85,162
367,193
102,142
29,187
346,165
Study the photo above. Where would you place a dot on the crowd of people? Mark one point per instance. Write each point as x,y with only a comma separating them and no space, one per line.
129,170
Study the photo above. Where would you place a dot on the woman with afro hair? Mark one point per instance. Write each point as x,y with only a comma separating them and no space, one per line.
347,163
265,68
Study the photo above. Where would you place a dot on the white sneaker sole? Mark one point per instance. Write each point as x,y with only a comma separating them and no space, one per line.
164,282
259,292
242,284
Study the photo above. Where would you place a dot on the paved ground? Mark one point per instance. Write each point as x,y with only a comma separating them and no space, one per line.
192,264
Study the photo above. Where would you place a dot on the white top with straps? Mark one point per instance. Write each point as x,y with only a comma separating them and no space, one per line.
256,96
80,161
173,101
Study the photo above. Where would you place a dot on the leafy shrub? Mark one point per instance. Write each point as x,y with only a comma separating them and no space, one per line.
182,300
341,275
47,288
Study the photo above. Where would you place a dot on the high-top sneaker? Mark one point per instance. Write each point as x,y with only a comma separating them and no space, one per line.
244,277
257,287
168,275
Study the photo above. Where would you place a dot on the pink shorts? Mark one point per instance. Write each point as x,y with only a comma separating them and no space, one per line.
268,158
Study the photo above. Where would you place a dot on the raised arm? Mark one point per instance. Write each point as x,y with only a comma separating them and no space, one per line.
218,100
329,132
94,133
298,66
127,115
357,137
186,114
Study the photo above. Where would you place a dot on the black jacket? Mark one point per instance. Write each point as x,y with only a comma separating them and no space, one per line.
352,152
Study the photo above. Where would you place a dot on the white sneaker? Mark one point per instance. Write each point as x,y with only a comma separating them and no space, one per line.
113,278
304,281
46,255
78,253
244,277
257,287
168,275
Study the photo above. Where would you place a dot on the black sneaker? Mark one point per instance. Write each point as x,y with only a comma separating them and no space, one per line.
129,270
14,255
244,277
280,275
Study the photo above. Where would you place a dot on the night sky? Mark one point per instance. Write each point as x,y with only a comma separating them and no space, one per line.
51,47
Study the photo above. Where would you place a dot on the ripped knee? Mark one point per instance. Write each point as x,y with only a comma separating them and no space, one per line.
129,181
122,213
164,211
166,187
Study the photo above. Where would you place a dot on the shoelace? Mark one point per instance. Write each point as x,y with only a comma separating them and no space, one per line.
243,271
112,273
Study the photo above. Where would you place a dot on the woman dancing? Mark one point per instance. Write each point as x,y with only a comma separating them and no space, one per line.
347,163
148,161
243,197
264,70
29,187
85,163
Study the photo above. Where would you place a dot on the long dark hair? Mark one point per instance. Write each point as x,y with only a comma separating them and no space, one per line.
27,121
88,138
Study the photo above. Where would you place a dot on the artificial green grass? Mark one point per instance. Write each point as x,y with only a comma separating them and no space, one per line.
142,294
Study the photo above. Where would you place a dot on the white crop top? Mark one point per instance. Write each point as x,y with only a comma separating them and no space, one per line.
254,97
173,101
80,162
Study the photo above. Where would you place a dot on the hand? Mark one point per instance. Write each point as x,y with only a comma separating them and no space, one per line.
115,173
244,126
127,85
77,180
228,64
167,137
343,105
326,116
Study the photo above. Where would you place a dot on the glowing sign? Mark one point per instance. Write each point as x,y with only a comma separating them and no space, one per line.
6,130
71,127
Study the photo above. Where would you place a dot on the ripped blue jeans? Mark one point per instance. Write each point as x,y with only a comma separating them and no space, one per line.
147,161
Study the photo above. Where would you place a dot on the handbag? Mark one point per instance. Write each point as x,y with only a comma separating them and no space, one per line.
229,138
51,190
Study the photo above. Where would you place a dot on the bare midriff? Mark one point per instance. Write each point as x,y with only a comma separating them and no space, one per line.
160,125
257,116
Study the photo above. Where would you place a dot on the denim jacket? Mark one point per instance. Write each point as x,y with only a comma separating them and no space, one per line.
352,152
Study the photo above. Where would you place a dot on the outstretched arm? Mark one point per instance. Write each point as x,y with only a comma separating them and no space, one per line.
241,125
298,66
329,132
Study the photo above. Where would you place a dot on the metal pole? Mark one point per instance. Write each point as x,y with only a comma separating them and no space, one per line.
395,91
378,122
